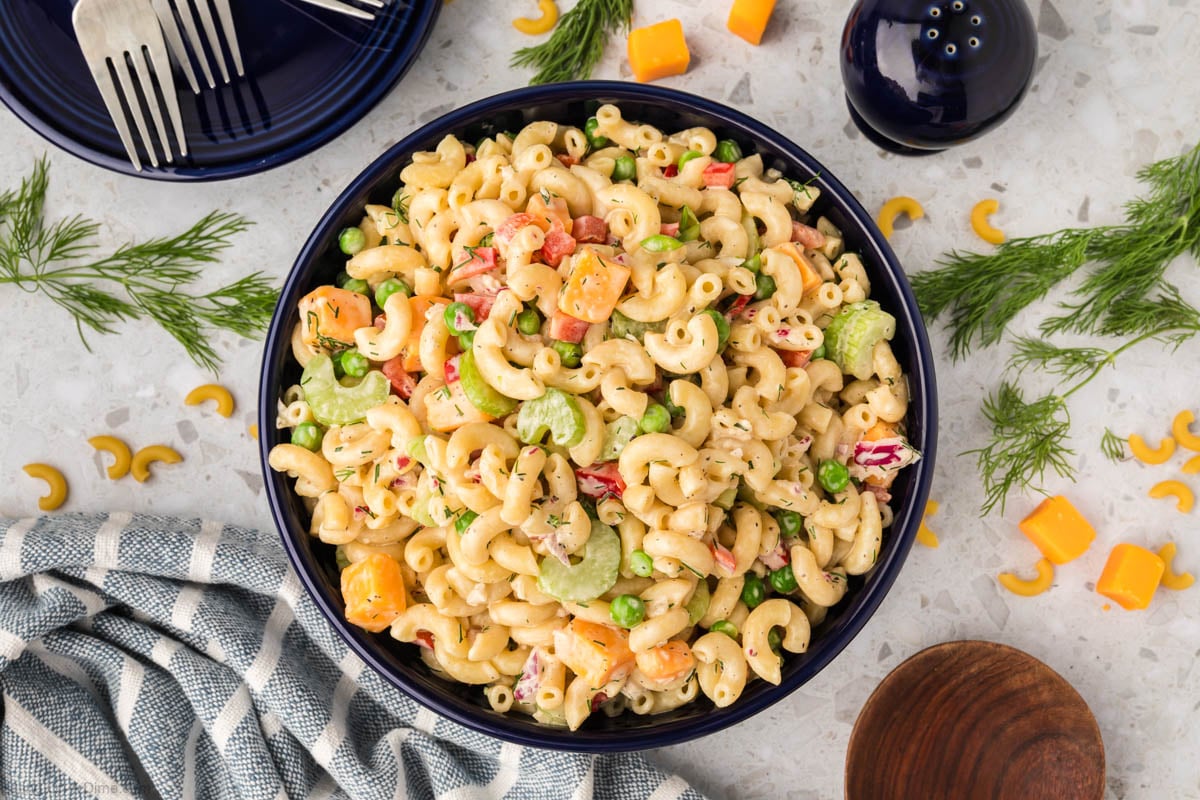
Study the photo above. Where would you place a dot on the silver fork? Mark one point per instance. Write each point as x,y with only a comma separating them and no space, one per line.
167,9
122,37
351,10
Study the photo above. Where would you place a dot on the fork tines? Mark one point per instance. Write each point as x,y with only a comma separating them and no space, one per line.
173,13
349,9
124,49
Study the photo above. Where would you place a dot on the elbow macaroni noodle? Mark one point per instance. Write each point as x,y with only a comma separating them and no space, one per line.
533,475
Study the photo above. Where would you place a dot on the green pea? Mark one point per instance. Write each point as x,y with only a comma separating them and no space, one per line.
753,591
660,243
354,363
357,285
722,327
624,168
753,264
790,523
529,322
569,352
672,409
726,627
727,151
338,372
388,288
351,241
340,280
627,610
686,156
764,286
775,640
641,564
464,521
783,580
819,352
307,435
455,314
595,141
833,475
656,419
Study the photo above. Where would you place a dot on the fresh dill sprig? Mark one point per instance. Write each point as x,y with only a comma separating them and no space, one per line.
155,276
1028,439
575,47
1112,446
983,292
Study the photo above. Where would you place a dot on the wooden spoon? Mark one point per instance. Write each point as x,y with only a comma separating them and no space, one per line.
975,719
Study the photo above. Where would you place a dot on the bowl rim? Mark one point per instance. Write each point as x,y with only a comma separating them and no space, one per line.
904,526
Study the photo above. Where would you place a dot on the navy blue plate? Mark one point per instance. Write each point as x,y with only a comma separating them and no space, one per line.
319,262
310,75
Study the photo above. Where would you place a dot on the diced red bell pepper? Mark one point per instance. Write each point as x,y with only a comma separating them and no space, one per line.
566,328
403,383
669,229
810,237
567,161
557,246
795,358
474,261
481,304
424,639
718,175
600,480
738,305
589,229
450,369
508,229
723,556
671,170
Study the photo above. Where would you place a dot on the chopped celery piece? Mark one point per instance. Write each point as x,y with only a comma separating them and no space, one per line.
617,434
479,391
591,577
697,607
751,227
622,327
851,338
335,404
556,412
420,510
726,498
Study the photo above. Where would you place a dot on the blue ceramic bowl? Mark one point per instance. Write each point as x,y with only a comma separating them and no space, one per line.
319,262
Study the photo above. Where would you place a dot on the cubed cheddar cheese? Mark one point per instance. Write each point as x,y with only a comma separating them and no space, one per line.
597,653
1131,576
329,317
810,279
373,590
658,51
593,287
748,18
1058,529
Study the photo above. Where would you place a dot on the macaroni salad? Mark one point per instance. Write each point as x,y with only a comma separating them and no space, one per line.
600,418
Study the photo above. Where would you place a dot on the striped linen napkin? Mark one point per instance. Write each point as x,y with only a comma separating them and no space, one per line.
144,656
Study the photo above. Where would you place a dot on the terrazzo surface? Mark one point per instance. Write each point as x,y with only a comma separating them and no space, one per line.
1115,88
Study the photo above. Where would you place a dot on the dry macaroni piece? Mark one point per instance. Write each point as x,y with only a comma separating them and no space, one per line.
142,459
1032,587
54,479
1191,466
979,221
1148,455
215,392
894,208
602,418
541,24
1175,581
1181,430
253,431
924,534
122,456
1185,497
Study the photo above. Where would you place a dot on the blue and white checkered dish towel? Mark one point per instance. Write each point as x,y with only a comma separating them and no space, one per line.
144,656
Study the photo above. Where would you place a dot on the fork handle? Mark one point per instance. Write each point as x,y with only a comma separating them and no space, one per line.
341,8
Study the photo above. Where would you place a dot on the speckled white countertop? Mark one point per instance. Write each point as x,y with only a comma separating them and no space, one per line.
1115,88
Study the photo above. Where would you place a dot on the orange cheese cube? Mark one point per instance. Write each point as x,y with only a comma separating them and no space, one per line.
748,18
329,317
373,590
593,288
1131,576
597,653
667,661
810,279
657,51
1058,530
